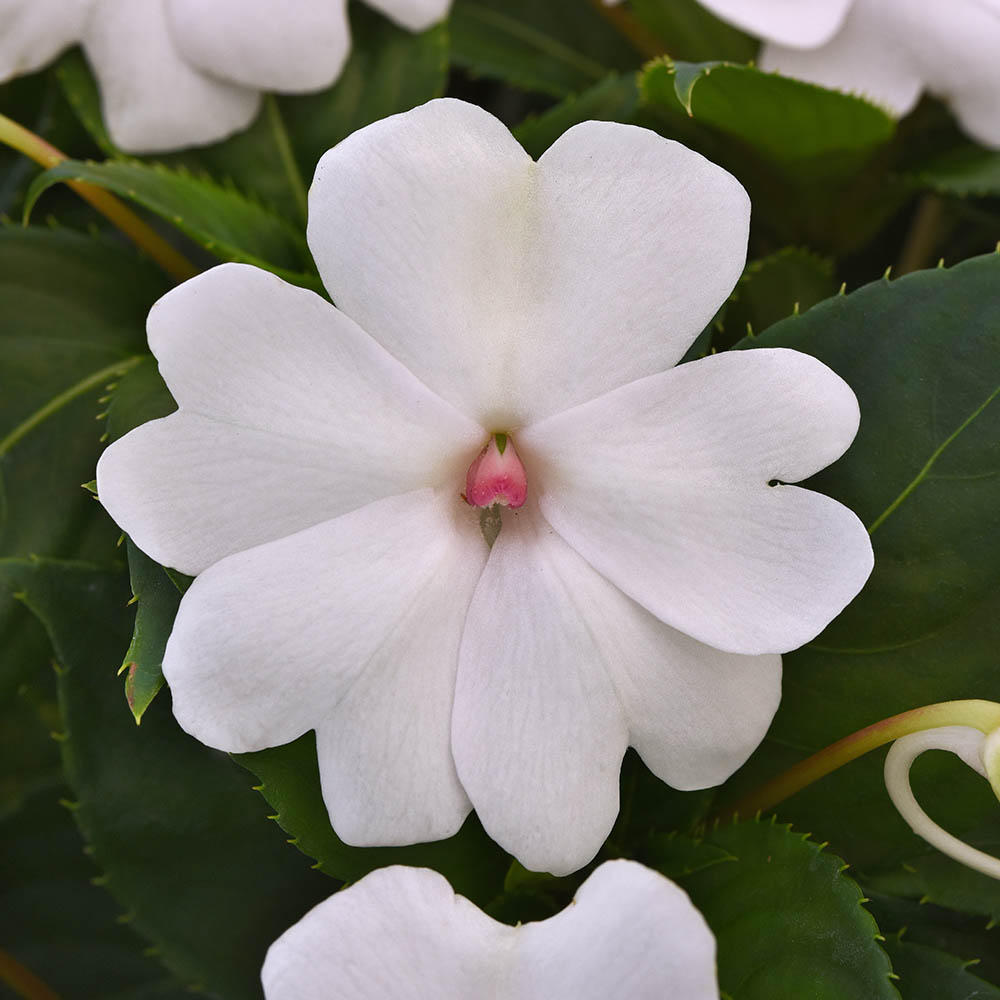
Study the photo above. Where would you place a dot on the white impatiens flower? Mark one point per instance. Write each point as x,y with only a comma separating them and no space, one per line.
176,73
630,934
887,50
503,332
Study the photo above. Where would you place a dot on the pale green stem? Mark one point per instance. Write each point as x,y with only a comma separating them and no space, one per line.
966,743
116,212
287,155
23,981
977,714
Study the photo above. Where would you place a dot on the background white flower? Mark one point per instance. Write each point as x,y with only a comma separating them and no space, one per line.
887,50
175,73
314,473
403,933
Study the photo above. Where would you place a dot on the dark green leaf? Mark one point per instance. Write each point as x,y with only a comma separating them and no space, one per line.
927,974
788,923
289,777
613,99
968,171
158,599
923,355
72,318
558,47
223,221
806,155
139,396
686,30
772,288
181,836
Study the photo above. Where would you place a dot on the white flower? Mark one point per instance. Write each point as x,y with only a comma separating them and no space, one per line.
175,73
314,477
887,50
630,934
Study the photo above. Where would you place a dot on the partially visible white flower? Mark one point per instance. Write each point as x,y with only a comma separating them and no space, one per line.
402,933
176,73
505,333
889,51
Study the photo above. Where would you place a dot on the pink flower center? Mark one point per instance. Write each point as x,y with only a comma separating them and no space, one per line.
497,476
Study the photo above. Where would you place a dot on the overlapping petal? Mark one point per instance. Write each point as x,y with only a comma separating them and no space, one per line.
153,99
516,289
34,33
559,672
663,487
289,415
417,15
801,23
268,641
296,46
403,933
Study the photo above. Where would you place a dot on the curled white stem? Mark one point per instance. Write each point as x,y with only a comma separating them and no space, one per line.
964,741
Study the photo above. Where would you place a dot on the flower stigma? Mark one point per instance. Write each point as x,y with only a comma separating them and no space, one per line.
497,477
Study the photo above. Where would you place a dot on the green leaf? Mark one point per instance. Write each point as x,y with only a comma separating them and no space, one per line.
806,155
968,171
559,47
72,318
220,219
289,777
54,920
181,837
780,285
158,598
777,909
613,99
927,974
923,356
688,31
140,395
971,938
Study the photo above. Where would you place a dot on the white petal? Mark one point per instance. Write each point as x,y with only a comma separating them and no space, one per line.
663,487
292,47
629,933
956,46
796,23
34,32
403,933
507,287
290,415
417,15
399,933
385,755
152,99
538,732
868,57
694,713
267,641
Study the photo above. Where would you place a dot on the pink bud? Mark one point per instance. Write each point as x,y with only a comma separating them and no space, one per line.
497,476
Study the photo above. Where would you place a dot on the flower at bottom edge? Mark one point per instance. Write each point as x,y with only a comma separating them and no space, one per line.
403,933
641,589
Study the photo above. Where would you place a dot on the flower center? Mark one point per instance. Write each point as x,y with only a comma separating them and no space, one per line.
497,477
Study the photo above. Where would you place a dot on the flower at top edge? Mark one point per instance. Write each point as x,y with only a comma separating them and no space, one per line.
176,73
403,933
889,51
501,351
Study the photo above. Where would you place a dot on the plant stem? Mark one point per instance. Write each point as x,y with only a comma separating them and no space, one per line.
920,240
23,981
116,212
287,155
982,715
